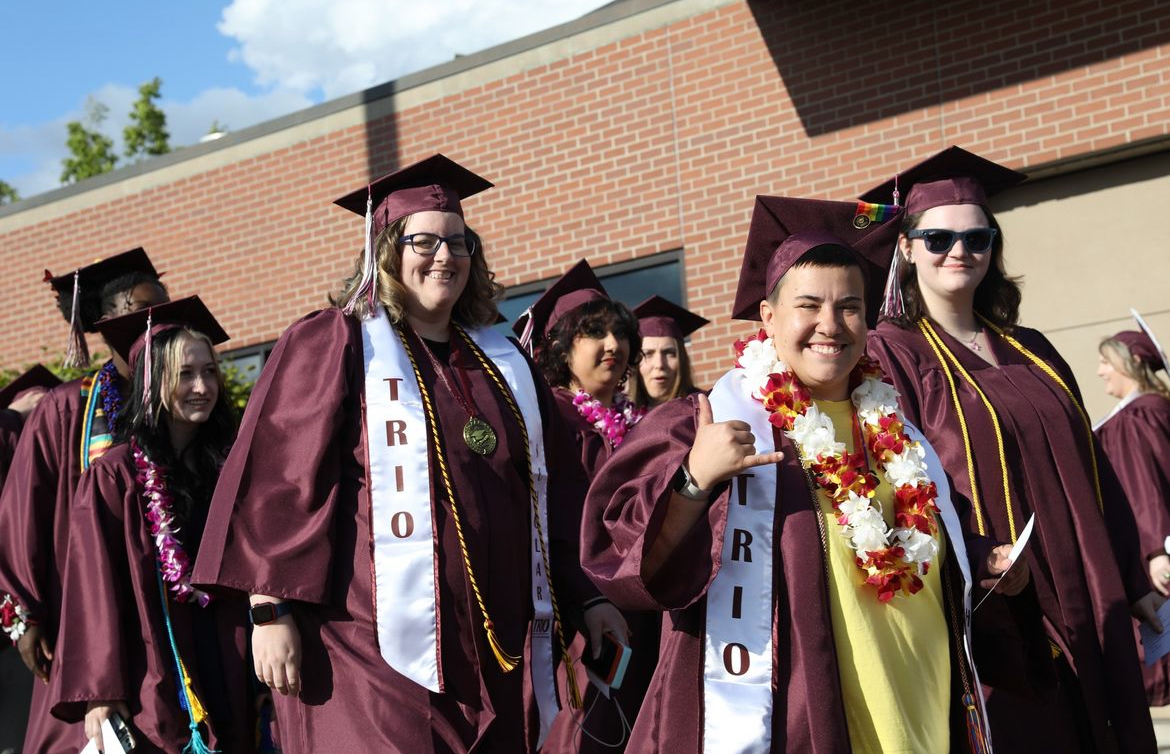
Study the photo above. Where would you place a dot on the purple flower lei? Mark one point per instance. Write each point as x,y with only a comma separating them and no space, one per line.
172,559
111,396
612,422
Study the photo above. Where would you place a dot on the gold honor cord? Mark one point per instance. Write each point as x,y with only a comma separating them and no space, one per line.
490,368
938,346
1069,393
507,662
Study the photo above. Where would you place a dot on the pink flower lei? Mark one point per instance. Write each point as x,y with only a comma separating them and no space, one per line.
172,558
612,422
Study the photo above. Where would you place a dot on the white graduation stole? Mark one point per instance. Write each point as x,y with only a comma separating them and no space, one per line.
738,651
406,610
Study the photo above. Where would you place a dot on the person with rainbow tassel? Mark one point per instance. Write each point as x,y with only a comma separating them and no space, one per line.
136,637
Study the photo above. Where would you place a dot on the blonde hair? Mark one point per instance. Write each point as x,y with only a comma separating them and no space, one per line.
476,306
1118,354
173,365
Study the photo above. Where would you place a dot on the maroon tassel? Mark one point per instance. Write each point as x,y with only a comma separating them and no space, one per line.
77,353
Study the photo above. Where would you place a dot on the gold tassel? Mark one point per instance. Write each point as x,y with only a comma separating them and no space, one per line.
507,662
571,682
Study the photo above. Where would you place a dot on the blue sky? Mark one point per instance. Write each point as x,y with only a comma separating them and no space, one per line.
236,61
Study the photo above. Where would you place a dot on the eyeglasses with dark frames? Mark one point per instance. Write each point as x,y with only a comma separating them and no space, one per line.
427,244
941,240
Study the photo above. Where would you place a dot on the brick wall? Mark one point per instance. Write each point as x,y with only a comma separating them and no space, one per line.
652,143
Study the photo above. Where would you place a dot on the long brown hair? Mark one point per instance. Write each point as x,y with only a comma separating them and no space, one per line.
998,296
475,307
1118,355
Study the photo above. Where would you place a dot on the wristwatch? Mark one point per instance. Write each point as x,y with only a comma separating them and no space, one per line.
267,613
684,484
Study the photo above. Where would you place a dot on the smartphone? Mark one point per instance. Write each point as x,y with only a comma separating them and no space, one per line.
609,667
122,731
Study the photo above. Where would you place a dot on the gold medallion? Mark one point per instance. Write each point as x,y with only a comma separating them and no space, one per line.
480,436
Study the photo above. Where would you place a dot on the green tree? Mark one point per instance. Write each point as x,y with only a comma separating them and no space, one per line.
8,193
92,152
147,135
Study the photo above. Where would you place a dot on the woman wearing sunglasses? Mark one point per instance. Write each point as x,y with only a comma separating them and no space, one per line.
1001,407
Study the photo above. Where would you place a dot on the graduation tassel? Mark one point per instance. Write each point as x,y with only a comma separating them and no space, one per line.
367,285
507,662
893,305
147,368
526,336
976,739
571,681
188,700
77,353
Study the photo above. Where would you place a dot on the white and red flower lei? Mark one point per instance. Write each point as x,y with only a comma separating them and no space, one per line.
14,619
172,558
894,559
614,421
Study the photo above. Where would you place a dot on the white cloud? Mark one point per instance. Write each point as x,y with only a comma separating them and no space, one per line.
334,47
300,51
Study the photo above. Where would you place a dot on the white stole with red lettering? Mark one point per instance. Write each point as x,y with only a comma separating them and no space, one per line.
738,643
405,558
738,653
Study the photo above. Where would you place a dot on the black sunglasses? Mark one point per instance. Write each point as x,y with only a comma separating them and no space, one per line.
941,240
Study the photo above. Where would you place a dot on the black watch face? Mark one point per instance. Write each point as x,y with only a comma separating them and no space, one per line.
263,613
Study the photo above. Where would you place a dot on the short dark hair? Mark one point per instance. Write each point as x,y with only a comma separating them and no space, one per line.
93,304
826,255
998,296
594,319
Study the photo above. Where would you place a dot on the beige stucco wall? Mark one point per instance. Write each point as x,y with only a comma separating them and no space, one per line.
1090,246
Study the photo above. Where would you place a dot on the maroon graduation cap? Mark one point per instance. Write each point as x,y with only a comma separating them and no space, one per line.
953,176
659,317
436,183
1143,344
38,376
90,279
783,229
128,334
576,287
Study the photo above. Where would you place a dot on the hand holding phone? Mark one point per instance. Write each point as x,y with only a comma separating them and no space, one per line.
608,669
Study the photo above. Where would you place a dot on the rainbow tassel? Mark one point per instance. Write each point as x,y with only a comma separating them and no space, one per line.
977,740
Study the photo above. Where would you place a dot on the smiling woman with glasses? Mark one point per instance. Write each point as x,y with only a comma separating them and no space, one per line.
1001,407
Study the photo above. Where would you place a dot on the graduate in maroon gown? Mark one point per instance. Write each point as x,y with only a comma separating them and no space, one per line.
135,637
385,505
67,431
814,607
1134,436
665,364
1002,408
586,346
17,401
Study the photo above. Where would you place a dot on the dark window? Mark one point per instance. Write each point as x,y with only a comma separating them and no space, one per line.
629,282
247,361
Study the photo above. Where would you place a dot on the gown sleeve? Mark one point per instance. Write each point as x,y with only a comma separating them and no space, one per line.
28,509
270,528
1136,443
91,662
624,512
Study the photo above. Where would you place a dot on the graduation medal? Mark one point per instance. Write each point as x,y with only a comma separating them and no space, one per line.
479,436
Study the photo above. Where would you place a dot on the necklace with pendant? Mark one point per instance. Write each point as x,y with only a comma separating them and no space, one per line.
478,434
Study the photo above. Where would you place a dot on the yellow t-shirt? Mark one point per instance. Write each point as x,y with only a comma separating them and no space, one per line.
893,658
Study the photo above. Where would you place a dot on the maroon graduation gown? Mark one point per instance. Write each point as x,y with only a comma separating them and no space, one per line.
624,511
15,679
1136,442
603,721
34,535
113,642
1084,590
10,422
290,518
